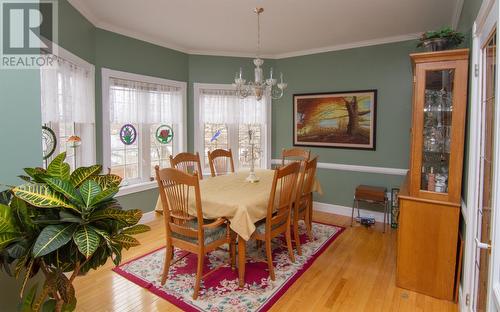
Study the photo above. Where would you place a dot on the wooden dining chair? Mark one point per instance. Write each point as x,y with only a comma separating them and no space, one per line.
187,232
294,154
188,163
279,207
221,162
303,201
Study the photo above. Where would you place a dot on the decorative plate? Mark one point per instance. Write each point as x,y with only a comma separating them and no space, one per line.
164,134
128,134
49,142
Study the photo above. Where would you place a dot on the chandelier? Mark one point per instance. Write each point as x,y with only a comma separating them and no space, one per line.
259,87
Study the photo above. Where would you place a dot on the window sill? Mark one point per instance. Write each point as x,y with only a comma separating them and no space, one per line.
135,188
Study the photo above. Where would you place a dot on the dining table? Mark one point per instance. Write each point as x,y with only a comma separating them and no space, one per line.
241,202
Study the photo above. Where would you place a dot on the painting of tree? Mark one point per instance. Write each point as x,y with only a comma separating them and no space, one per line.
341,119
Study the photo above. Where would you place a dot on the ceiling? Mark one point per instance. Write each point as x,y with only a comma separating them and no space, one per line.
289,27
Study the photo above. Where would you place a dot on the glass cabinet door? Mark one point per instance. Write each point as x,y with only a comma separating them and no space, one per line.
437,119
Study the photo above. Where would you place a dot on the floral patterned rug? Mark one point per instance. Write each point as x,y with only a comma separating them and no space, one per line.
220,290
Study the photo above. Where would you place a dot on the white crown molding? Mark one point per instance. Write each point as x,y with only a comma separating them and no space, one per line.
229,54
140,36
82,7
352,45
94,19
356,168
457,12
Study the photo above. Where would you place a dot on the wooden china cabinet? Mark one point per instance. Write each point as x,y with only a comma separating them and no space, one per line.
430,197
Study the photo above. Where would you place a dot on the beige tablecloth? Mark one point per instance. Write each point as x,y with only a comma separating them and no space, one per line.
232,197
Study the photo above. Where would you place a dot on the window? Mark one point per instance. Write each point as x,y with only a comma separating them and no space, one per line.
143,124
68,108
225,121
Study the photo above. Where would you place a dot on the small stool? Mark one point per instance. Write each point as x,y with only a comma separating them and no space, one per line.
372,195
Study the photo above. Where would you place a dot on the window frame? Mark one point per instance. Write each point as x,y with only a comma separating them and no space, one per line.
233,135
66,55
144,143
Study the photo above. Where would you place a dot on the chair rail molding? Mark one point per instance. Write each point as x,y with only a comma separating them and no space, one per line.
356,168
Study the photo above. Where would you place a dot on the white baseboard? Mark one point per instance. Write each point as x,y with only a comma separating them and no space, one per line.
346,211
148,217
323,207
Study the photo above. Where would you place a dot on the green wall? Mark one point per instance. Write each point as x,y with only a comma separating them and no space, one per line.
21,146
117,52
216,69
76,33
386,68
383,67
106,49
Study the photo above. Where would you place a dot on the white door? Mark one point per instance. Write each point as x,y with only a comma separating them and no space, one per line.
485,191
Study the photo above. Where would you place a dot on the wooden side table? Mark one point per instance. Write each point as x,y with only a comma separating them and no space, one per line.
372,195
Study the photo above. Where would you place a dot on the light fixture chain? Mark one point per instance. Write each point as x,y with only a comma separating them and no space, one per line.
258,34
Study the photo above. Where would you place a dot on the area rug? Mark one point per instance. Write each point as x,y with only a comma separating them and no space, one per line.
220,290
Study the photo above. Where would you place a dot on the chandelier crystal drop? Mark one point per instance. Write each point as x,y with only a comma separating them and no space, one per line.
260,86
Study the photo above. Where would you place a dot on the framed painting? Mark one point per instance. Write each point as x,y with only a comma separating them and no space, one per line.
336,119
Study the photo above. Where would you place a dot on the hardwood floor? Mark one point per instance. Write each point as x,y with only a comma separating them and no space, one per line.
356,273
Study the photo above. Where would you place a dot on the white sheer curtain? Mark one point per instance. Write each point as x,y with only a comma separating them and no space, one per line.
68,98
224,106
218,106
144,103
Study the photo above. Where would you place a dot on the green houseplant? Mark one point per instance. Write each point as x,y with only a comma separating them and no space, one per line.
443,39
62,224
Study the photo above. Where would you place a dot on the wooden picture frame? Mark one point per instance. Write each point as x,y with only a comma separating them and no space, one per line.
326,119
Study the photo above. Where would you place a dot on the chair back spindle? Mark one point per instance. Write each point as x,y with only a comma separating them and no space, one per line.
188,163
294,154
221,162
176,188
305,184
281,197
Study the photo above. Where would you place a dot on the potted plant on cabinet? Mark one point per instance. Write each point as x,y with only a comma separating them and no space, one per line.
62,224
443,39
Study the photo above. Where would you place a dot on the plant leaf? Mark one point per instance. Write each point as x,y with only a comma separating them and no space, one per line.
104,195
17,250
103,234
27,302
83,173
35,173
65,288
7,238
6,220
49,305
136,229
65,188
131,217
53,237
89,189
58,168
125,240
24,178
87,240
117,252
108,180
65,216
42,196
